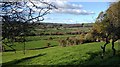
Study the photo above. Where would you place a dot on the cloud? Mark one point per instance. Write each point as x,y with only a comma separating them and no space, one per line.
66,5
37,3
70,8
1,3
63,7
74,11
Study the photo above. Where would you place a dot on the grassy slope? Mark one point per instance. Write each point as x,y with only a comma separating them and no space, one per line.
87,54
33,44
39,42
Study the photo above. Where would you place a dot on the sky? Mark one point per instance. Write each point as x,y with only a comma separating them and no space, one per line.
70,11
75,12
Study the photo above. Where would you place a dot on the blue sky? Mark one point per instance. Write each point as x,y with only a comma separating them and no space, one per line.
71,12
76,12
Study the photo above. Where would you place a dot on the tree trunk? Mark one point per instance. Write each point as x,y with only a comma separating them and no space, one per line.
103,47
114,51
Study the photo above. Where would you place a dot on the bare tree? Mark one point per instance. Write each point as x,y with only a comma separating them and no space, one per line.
17,18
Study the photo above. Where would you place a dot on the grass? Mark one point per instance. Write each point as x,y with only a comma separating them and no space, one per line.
56,37
12,56
33,44
85,54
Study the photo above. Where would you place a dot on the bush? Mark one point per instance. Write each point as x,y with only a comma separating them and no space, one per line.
77,41
89,38
50,38
82,39
63,43
70,41
48,44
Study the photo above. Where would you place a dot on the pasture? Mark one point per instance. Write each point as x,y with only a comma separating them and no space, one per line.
37,51
73,33
84,54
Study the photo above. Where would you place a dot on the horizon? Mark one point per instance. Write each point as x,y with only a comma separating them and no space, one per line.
75,12
66,23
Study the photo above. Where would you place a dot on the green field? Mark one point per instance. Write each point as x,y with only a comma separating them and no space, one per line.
84,54
33,45
62,30
38,53
38,42
53,33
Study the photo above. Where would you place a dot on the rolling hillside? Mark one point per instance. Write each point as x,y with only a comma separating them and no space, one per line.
85,54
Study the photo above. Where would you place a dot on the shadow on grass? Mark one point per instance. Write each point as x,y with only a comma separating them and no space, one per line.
32,48
93,60
41,48
96,60
12,63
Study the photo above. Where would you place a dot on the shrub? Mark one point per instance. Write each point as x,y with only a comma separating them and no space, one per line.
89,38
63,43
71,41
48,44
50,38
76,41
82,39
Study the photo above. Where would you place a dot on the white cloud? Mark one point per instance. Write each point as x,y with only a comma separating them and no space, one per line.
37,3
63,7
74,11
66,5
1,3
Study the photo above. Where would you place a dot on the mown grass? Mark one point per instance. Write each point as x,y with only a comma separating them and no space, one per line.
84,54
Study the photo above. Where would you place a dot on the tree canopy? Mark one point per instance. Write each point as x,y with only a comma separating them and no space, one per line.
108,25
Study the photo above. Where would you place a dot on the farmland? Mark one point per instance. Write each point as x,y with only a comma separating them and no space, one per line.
53,33
40,41
38,53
